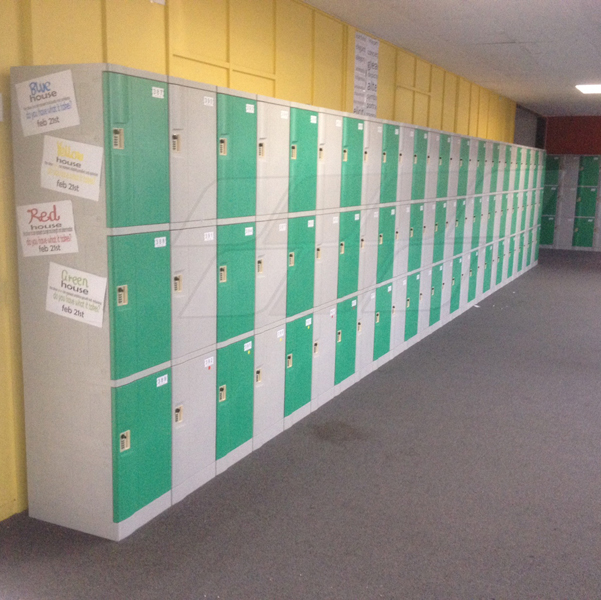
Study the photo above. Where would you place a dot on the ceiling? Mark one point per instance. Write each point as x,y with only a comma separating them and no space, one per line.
532,51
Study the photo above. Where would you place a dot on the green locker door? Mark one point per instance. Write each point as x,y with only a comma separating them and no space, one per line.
473,280
547,231
514,213
490,219
299,363
301,265
459,227
412,306
464,166
507,169
524,211
346,339
480,167
589,171
139,302
302,192
521,253
510,260
383,320
456,284
527,171
550,200
235,395
416,234
444,165
352,162
390,163
136,126
236,156
386,244
487,269
439,231
529,249
436,295
494,173
235,280
420,162
537,243
586,202
583,233
348,253
518,169
503,216
500,261
532,211
552,170
477,220
141,424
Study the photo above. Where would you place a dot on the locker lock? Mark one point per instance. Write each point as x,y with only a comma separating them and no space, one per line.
456,223
122,296
365,156
432,294
362,243
261,150
381,239
393,309
223,146
320,153
223,274
421,295
435,226
359,326
293,152
428,160
453,282
176,142
222,393
341,247
318,253
258,376
408,302
396,235
315,347
260,266
289,361
291,259
339,335
125,441
411,232
345,155
377,317
118,138
415,159
178,284
384,156
179,414
400,157
439,160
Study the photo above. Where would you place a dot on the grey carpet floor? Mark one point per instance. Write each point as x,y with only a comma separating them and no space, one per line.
469,467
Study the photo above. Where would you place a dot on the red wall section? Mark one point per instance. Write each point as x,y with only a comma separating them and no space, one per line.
573,135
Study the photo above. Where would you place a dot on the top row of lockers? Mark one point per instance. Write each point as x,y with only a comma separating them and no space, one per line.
184,154
588,171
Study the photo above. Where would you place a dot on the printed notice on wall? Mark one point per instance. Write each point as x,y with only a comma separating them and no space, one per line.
47,103
75,294
366,75
72,167
47,228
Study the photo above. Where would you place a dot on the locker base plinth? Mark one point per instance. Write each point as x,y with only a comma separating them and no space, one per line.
223,464
267,434
297,415
322,399
179,492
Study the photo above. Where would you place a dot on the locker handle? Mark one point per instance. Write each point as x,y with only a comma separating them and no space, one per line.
453,282
471,272
176,142
377,317
461,162
421,295
393,309
415,159
408,302
432,294
359,326
339,336
315,347
345,155
122,295
118,138
291,259
222,146
456,223
179,414
222,393
125,441
258,376
381,239
293,152
289,361
440,161
318,253
362,243
365,156
341,247
428,160
396,235
578,199
261,150
320,153
400,157
178,284
435,226
260,266
411,232
384,156
223,274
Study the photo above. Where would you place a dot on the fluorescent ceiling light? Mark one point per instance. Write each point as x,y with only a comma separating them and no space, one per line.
590,89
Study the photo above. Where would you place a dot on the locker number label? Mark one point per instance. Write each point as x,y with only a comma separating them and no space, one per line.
280,334
360,126
338,122
162,380
354,303
311,223
284,114
313,118
282,227
332,312
209,362
208,101
248,346
160,242
209,236
250,108
248,231
308,322
158,92
357,217
335,220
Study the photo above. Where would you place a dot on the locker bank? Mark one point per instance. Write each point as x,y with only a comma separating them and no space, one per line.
260,257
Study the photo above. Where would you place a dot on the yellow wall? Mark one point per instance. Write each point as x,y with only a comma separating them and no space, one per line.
281,48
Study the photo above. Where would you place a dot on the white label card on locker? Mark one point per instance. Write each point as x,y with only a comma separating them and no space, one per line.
208,101
421,208
209,362
280,333
417,277
375,214
404,282
373,295
162,380
313,118
357,217
160,242
407,209
248,346
284,114
250,108
209,236
158,92
308,322
338,122
393,211
379,129
390,288
248,231
335,220
412,133
332,312
360,126
282,227
311,223
354,303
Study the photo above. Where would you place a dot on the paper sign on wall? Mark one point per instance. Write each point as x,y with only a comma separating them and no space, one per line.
71,167
47,228
366,75
47,103
75,294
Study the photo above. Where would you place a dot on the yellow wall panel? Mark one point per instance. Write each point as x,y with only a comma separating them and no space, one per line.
348,99
493,116
449,102
199,71
474,109
421,107
436,98
422,75
328,73
65,32
294,51
136,35
462,121
13,486
252,34
386,78
483,112
199,28
405,69
253,84
403,106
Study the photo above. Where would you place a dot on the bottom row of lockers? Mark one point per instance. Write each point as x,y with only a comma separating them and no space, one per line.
578,232
174,430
